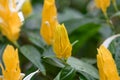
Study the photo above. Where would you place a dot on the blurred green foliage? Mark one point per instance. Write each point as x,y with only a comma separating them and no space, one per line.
84,22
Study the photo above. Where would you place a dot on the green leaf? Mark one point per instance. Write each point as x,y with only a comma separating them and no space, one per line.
54,62
67,73
83,34
36,39
115,50
105,31
48,52
58,76
81,67
87,76
81,77
69,14
33,22
2,47
32,54
50,58
74,24
88,60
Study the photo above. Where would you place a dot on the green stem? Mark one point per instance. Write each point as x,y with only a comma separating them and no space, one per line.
76,41
64,61
16,44
115,6
109,22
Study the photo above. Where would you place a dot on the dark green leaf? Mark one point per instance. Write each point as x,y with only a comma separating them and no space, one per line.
67,73
54,62
87,76
83,34
50,58
2,47
81,77
74,24
58,76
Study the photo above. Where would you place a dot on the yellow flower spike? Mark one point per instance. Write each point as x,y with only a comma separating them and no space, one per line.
61,44
9,20
102,4
49,21
11,62
27,8
106,65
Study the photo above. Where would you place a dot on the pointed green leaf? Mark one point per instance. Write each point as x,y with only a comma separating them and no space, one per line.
32,54
81,67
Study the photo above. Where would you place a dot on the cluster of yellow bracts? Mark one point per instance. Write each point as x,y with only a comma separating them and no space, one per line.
52,32
10,24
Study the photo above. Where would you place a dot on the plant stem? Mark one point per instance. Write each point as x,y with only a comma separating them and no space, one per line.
115,6
64,61
109,22
16,44
76,41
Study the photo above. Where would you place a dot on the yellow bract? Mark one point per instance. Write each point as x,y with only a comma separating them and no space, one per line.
11,71
103,4
106,65
61,44
9,20
49,21
27,8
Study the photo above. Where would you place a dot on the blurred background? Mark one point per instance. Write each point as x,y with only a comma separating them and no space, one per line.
85,24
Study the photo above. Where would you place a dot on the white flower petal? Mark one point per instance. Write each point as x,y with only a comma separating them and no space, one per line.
30,75
19,4
22,76
107,42
20,14
1,20
11,6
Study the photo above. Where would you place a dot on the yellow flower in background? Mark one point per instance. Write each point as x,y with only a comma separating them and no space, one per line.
61,44
27,8
11,71
106,65
102,4
9,20
49,21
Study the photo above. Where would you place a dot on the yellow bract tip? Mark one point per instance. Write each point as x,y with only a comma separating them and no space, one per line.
11,62
61,44
10,25
102,4
106,65
49,21
27,8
